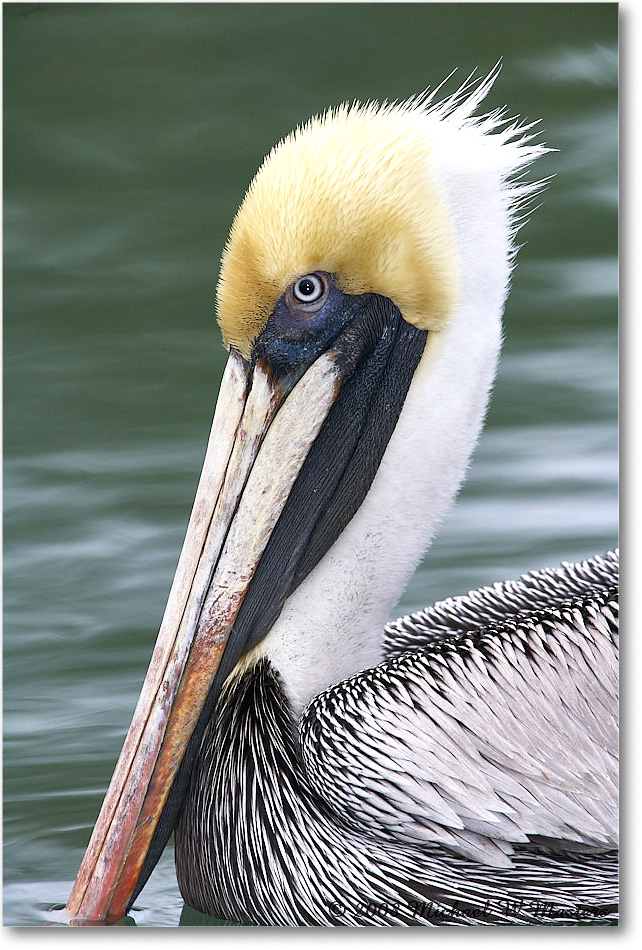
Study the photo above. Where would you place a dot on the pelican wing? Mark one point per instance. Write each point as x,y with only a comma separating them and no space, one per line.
500,737
550,587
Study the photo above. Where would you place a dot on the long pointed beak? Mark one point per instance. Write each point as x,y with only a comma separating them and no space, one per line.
297,438
260,437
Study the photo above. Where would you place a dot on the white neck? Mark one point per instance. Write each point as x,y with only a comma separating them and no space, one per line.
332,625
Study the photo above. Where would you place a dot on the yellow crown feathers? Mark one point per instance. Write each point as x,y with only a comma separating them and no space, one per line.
349,193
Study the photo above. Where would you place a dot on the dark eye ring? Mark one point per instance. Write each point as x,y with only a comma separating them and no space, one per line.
308,289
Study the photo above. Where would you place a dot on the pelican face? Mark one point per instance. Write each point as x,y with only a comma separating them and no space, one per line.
343,292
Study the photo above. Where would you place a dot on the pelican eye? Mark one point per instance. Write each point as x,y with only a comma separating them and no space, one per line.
309,289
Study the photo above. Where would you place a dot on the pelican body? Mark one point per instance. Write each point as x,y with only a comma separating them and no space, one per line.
461,768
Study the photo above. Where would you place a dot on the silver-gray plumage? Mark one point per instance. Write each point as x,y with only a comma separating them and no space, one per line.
503,600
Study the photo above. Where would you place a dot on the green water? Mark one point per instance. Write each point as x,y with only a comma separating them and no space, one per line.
131,132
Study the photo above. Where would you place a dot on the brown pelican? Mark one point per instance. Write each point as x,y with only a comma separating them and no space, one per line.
461,768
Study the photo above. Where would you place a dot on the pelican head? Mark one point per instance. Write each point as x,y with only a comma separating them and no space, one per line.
360,297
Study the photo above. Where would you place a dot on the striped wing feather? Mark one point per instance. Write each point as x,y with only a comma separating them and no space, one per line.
504,600
498,737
